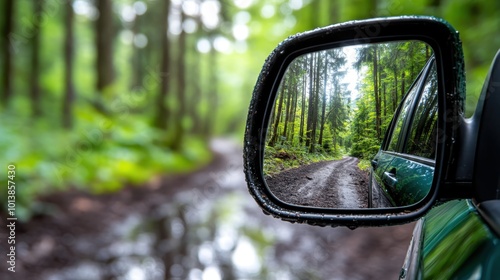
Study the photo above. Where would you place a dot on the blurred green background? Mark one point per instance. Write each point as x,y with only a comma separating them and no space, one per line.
97,95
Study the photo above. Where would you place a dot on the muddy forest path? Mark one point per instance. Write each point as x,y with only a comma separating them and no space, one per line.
200,225
329,184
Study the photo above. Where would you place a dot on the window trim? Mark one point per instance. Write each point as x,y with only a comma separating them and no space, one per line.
418,159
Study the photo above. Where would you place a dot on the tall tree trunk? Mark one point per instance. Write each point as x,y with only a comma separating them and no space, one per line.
274,137
287,110
162,110
69,96
196,79
197,94
212,95
314,127
376,91
385,101
8,51
323,106
303,107
138,69
104,45
294,113
403,89
36,108
310,108
181,89
395,100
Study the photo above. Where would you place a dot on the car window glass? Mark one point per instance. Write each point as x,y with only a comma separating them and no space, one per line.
401,119
422,137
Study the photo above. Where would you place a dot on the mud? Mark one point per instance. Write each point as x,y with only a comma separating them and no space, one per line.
201,225
327,184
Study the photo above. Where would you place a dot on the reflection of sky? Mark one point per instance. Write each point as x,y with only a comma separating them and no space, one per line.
352,77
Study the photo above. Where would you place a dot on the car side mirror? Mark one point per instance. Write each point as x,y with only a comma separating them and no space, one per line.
310,107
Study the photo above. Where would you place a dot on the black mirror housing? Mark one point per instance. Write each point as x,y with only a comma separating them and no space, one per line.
447,48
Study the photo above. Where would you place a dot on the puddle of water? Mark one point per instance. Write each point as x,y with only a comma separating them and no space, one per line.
207,241
210,234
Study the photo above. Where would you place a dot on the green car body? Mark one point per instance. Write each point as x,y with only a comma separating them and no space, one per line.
453,241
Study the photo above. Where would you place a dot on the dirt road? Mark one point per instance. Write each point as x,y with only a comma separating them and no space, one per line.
201,225
329,184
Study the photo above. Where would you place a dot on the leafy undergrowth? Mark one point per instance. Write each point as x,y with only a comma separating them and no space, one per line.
364,164
99,155
280,158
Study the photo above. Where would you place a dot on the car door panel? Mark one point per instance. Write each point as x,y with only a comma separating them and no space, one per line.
458,244
407,181
383,160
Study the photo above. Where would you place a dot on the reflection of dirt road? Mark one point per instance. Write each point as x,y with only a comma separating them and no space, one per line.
332,184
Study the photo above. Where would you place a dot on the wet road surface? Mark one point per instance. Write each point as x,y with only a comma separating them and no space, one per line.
202,225
327,184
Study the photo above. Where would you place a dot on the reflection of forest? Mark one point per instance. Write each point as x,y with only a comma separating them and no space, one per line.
314,112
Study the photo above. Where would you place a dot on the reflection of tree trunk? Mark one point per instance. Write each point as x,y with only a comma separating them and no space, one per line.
396,85
287,111
271,123
323,107
35,61
183,252
68,63
274,137
310,109
376,91
294,113
428,114
385,101
8,52
315,105
303,109
403,90
164,244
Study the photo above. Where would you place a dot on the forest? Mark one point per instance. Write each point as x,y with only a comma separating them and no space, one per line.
99,94
340,101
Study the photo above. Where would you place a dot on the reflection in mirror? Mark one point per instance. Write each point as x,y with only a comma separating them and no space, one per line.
331,112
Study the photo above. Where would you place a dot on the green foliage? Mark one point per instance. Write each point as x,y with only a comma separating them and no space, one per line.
101,155
390,71
364,165
365,148
283,157
113,142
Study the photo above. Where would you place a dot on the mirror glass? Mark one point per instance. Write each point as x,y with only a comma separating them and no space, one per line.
330,117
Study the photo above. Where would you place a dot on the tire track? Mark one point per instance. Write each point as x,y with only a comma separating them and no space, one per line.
328,184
